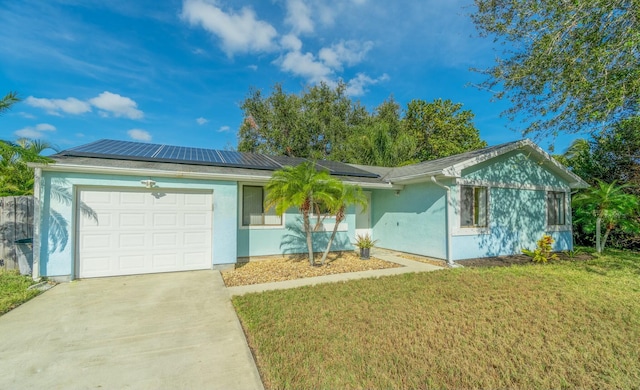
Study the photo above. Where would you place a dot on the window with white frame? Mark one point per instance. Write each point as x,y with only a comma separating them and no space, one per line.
253,212
556,208
473,207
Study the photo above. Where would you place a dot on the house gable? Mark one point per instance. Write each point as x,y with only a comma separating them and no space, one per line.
517,168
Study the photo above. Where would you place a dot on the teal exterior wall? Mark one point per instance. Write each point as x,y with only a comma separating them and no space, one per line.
518,186
412,221
516,168
57,240
517,219
263,241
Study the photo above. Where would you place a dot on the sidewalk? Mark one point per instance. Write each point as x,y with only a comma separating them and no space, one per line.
408,266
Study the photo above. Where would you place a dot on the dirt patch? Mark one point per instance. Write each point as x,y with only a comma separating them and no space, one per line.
279,269
506,261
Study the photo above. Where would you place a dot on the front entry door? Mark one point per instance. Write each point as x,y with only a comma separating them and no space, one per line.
363,218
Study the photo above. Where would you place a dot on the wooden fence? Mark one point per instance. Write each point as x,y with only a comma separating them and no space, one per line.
16,233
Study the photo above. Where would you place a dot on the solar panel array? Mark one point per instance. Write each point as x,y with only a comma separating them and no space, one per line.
127,150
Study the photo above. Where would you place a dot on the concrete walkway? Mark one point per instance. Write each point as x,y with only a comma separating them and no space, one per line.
382,254
162,331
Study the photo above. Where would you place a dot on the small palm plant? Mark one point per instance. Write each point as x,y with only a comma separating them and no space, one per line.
365,243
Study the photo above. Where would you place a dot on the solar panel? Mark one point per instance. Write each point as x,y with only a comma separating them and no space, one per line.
127,150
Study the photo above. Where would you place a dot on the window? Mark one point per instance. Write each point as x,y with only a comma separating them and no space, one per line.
556,208
473,206
253,213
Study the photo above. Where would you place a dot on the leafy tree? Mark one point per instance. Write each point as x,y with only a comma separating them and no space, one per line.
606,205
566,66
611,155
304,188
441,128
349,195
323,123
312,125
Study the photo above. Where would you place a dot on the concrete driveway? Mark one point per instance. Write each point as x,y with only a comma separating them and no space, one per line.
162,331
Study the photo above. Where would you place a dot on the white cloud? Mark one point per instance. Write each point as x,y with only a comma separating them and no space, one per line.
109,104
35,132
357,86
239,32
305,65
224,129
291,42
299,17
202,121
116,105
139,135
54,106
253,67
344,52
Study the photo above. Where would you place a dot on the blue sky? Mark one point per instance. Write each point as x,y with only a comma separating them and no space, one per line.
176,71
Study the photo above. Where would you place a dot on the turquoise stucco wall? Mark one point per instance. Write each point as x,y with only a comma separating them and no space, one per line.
262,241
57,259
412,221
517,219
516,167
517,215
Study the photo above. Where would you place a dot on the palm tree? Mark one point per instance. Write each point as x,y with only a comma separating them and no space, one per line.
302,187
16,178
609,206
8,100
349,195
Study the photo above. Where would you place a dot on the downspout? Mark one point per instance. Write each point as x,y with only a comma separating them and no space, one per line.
35,272
448,214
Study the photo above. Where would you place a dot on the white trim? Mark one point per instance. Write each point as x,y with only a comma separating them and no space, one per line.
567,213
37,220
76,214
241,226
515,186
457,230
56,167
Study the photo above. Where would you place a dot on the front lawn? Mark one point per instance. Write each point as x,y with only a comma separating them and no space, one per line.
13,290
568,324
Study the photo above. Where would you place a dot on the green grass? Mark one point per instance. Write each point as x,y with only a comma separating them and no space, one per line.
568,324
13,290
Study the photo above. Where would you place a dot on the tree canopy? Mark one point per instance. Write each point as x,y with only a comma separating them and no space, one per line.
566,66
323,123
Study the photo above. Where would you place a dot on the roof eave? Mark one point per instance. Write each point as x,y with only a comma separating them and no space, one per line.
96,169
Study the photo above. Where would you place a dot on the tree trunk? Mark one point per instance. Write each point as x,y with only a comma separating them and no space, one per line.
307,229
604,239
598,223
333,235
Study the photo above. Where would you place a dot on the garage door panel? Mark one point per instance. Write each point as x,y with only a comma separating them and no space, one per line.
165,219
139,231
96,241
165,239
195,258
132,199
132,240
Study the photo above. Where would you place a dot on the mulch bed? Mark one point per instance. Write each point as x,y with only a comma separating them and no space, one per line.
506,261
296,266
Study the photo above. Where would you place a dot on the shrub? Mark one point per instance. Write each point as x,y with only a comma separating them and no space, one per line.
543,251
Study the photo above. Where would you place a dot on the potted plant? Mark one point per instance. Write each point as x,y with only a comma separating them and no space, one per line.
365,243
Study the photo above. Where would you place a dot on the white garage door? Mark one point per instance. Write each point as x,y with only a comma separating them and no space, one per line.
144,231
